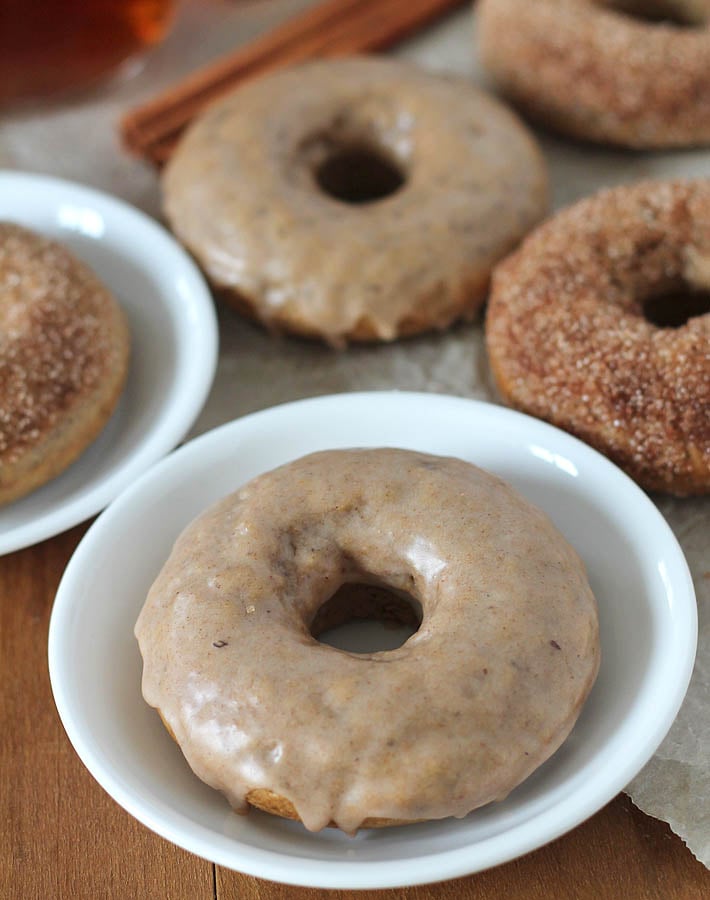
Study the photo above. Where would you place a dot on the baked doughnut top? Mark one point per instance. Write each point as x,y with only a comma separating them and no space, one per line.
63,358
355,199
569,341
632,73
485,691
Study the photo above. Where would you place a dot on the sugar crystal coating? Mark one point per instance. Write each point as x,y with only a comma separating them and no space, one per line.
568,340
63,343
587,68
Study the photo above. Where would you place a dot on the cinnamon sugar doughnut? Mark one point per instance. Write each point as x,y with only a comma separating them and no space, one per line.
354,200
594,70
63,359
483,693
568,340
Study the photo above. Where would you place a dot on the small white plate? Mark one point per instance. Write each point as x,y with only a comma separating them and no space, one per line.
636,568
173,346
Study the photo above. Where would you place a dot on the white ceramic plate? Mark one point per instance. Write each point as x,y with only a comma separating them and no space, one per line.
636,568
173,351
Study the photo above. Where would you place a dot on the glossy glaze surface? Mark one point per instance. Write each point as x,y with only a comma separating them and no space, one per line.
483,693
243,193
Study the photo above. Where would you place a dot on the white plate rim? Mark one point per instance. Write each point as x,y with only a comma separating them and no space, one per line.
327,874
155,443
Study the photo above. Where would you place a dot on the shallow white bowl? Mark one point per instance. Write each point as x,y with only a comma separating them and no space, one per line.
636,568
173,346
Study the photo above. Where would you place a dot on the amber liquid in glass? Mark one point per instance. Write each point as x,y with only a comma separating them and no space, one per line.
48,47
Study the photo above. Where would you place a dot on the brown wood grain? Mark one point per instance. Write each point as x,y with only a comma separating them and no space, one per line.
62,837
619,854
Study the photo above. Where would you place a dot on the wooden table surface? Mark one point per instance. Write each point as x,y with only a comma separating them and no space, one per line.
63,837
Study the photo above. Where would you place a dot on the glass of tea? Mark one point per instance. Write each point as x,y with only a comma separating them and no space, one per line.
49,47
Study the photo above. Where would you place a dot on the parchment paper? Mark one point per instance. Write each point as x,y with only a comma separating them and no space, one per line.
78,141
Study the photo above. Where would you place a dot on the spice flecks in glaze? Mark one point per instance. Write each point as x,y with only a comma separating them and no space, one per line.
242,192
456,717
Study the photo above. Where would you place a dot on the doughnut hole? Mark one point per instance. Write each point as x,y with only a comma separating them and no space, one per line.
359,174
673,308
681,13
366,618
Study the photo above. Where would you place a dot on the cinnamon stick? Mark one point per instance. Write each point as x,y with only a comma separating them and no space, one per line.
330,29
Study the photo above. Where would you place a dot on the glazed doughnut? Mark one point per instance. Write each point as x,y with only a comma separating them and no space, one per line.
623,72
569,342
64,348
354,200
483,693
